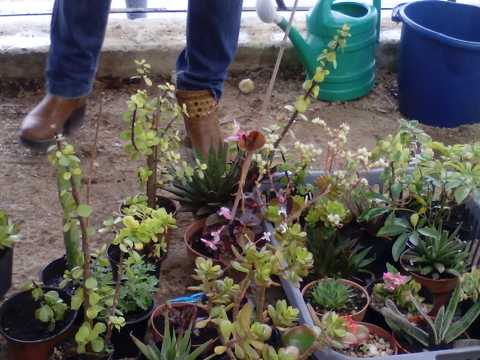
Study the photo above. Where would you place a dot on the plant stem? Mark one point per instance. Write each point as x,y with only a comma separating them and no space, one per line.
296,112
243,288
94,155
261,303
118,282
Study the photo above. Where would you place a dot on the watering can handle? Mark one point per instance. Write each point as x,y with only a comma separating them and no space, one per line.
396,16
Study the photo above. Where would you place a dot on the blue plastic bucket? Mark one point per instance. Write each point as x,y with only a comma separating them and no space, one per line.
439,62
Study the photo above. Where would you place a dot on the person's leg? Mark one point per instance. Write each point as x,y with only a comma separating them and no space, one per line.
213,27
77,33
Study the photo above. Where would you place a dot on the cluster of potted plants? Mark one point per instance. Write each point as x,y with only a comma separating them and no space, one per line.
262,215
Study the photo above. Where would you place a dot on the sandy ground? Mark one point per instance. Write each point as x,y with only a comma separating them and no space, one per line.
27,181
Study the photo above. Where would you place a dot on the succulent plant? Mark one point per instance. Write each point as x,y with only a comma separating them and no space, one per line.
440,331
173,347
471,283
211,187
331,294
8,231
437,254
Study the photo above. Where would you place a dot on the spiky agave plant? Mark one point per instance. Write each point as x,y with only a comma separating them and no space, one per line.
213,183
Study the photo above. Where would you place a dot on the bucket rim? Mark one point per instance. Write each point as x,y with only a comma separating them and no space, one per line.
452,41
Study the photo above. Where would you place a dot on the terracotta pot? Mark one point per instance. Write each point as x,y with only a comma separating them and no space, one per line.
157,331
26,347
188,238
357,316
415,320
441,288
384,334
171,207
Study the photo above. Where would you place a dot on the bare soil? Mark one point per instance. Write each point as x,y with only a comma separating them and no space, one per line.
27,181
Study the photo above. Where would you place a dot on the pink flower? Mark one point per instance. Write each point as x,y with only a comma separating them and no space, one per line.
393,280
237,133
211,244
216,235
225,212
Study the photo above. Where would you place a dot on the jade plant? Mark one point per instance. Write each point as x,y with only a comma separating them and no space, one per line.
153,135
440,331
51,309
93,335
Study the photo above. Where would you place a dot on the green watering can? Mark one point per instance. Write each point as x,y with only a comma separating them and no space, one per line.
355,72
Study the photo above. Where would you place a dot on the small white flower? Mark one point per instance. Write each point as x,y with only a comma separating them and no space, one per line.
334,219
266,235
364,181
283,228
282,212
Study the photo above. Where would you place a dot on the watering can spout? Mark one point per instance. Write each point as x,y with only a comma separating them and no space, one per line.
267,13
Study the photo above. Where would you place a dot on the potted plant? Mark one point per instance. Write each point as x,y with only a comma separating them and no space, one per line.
212,184
396,287
436,262
145,233
171,347
182,319
420,190
33,320
440,332
339,295
8,237
353,338
97,292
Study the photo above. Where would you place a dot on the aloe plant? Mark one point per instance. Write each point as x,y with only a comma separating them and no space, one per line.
209,187
440,331
173,348
437,254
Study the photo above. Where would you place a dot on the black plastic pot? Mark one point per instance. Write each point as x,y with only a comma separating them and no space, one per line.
52,275
27,337
113,255
6,263
137,325
375,317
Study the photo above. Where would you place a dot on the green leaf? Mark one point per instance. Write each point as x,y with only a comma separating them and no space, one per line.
84,210
391,230
371,213
399,246
461,193
91,283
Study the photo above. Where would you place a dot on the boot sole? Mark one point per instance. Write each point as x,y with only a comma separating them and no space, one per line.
73,122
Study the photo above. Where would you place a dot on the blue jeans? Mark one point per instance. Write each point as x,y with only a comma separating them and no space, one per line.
78,30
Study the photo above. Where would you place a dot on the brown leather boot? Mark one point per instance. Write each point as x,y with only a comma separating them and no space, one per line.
52,115
201,123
